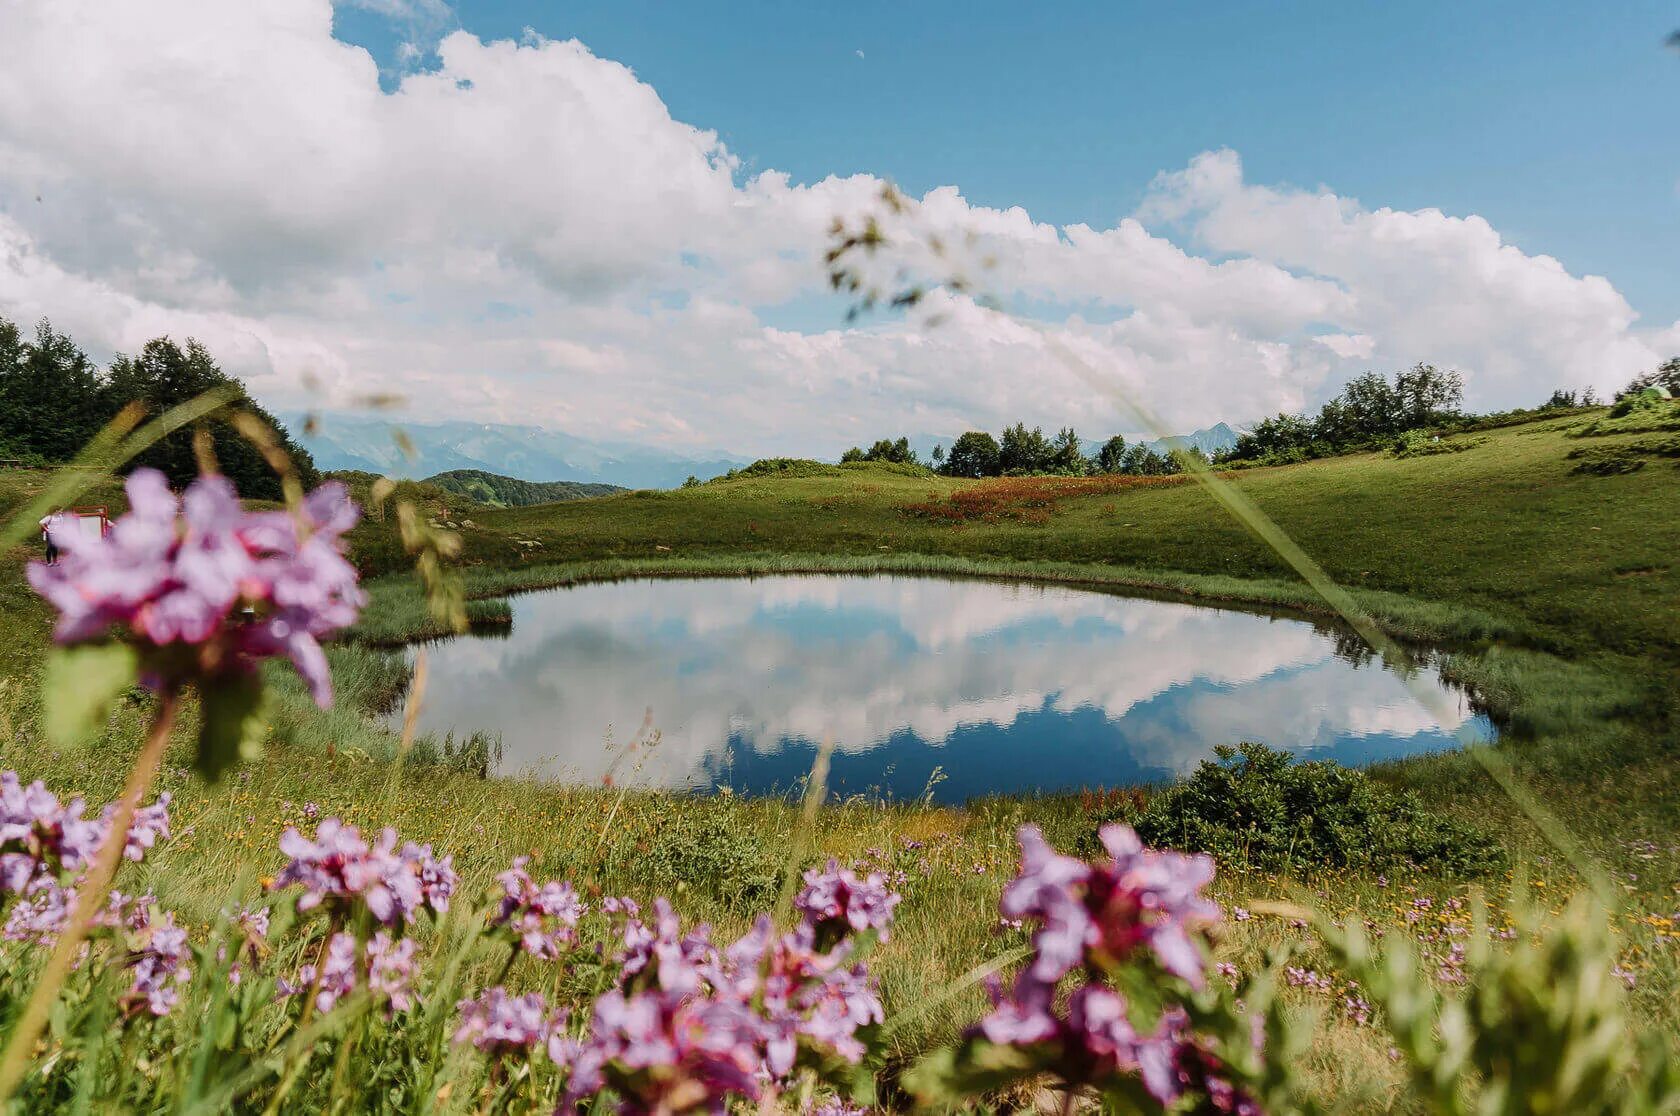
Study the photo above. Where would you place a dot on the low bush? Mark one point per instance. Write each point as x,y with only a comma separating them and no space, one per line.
1608,462
1636,401
782,467
1629,457
1421,443
716,852
1255,806
899,468
1633,415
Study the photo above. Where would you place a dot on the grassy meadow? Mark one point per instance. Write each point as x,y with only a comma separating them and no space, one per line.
1556,588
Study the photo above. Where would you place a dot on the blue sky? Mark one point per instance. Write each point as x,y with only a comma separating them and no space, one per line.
1556,122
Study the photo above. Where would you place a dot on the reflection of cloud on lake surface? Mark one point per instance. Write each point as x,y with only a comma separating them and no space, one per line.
1069,687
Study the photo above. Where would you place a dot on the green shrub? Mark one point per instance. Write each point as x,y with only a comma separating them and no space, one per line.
1609,462
783,467
1412,443
1421,443
1254,806
899,468
1637,401
1634,414
717,852
1628,457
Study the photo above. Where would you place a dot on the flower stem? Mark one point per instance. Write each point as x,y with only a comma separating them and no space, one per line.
90,899
297,1059
501,977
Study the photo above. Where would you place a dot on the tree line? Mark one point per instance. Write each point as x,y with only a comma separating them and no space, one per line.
1019,451
1372,411
54,398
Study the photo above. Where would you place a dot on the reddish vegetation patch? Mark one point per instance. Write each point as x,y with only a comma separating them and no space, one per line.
1111,801
1027,499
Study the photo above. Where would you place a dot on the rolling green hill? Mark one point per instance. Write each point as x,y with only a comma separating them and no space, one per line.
511,492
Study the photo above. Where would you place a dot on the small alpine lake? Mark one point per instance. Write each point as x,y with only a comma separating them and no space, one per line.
958,688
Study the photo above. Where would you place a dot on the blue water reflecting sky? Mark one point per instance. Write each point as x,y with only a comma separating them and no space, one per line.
996,687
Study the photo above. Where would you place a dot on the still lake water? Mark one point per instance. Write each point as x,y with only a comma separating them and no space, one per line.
997,687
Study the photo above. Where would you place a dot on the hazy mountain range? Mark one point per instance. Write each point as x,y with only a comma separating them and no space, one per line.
533,453
527,452
1209,440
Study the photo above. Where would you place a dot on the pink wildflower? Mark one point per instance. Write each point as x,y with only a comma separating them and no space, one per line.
836,902
159,960
540,920
339,869
498,1023
391,969
176,570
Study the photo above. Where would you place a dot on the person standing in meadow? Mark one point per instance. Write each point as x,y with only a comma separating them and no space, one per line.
48,522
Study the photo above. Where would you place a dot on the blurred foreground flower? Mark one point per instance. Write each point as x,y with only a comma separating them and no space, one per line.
205,588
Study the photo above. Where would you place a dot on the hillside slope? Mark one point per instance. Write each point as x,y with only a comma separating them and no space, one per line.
499,491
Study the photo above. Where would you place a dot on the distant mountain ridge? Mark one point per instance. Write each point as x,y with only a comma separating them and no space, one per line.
371,444
1210,440
511,492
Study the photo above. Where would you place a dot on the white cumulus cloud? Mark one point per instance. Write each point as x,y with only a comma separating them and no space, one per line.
526,234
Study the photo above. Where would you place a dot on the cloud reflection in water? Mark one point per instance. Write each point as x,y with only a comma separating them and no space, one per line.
1001,687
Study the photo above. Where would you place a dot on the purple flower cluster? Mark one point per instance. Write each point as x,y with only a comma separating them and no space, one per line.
158,957
1182,1064
341,873
540,920
391,970
127,912
836,902
178,570
385,963
40,838
340,870
663,1053
1101,914
1092,918
331,978
662,955
834,1106
498,1023
690,1026
46,846
145,828
814,997
40,917
1297,977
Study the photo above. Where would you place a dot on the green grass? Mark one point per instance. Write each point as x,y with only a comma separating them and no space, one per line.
1556,589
